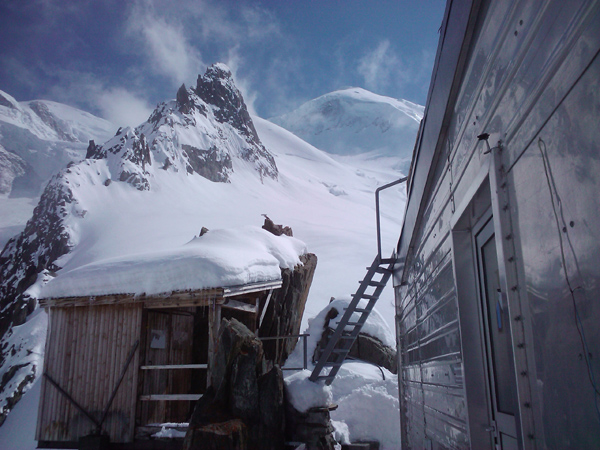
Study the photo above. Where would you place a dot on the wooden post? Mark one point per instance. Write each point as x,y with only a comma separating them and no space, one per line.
214,319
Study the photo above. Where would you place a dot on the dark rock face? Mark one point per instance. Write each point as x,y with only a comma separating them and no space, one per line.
212,164
366,348
44,239
243,408
276,229
312,427
216,87
284,314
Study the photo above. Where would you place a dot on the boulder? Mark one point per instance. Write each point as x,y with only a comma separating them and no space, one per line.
243,408
366,347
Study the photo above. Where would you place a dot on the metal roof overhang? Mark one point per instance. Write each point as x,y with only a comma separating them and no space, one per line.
457,29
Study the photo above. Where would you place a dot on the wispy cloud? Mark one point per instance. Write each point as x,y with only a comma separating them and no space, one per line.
118,105
380,67
165,43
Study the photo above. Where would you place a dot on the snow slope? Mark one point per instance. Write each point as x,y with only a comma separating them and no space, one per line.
354,121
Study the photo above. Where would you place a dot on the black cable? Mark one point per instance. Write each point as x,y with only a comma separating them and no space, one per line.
555,199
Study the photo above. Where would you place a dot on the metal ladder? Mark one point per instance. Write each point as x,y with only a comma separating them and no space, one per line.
341,341
346,333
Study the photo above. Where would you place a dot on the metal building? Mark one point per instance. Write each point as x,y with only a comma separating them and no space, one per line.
497,282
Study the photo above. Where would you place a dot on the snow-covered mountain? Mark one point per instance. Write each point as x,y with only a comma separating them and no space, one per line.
40,137
200,160
354,121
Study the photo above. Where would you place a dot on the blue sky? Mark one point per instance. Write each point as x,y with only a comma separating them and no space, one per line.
118,59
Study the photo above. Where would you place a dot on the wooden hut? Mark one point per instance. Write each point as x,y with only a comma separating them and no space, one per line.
128,360
123,364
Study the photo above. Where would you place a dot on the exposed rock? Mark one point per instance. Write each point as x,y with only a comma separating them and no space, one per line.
312,427
216,87
276,229
183,99
213,164
366,348
284,314
239,394
203,231
91,150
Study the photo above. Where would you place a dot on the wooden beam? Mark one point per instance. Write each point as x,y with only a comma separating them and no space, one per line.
197,297
170,397
175,366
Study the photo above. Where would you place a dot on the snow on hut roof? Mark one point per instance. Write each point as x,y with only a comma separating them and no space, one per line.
219,258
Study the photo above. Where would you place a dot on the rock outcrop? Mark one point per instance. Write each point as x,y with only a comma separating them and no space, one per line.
284,313
366,348
244,408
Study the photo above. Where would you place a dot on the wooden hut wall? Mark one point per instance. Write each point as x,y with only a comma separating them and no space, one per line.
173,333
86,351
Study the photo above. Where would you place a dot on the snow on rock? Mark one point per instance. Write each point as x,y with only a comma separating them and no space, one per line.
303,394
366,395
219,258
26,343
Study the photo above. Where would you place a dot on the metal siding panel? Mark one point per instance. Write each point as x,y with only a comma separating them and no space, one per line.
570,137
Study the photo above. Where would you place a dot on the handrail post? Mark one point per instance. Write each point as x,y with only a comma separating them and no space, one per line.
379,189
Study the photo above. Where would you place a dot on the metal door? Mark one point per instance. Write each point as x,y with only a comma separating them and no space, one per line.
495,324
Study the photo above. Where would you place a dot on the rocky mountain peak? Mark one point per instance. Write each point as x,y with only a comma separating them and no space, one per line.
216,87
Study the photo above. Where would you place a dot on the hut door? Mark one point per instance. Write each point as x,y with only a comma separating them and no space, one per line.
498,343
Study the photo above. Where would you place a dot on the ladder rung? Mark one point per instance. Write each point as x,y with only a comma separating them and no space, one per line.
347,336
387,261
382,270
331,364
360,310
367,296
377,283
355,323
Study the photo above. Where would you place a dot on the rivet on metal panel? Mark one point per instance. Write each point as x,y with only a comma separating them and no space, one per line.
514,288
518,318
511,258
524,373
503,185
505,207
531,436
521,345
527,405
508,237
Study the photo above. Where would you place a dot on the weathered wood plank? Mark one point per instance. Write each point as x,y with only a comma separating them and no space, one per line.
170,397
175,366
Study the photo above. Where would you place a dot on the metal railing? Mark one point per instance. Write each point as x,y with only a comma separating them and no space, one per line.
379,189
293,336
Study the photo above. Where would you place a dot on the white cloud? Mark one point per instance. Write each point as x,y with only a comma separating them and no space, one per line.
381,67
166,45
122,107
84,90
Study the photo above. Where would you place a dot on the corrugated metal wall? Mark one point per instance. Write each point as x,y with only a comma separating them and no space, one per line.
532,73
86,350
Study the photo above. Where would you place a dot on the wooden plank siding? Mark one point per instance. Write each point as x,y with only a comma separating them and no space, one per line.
86,351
